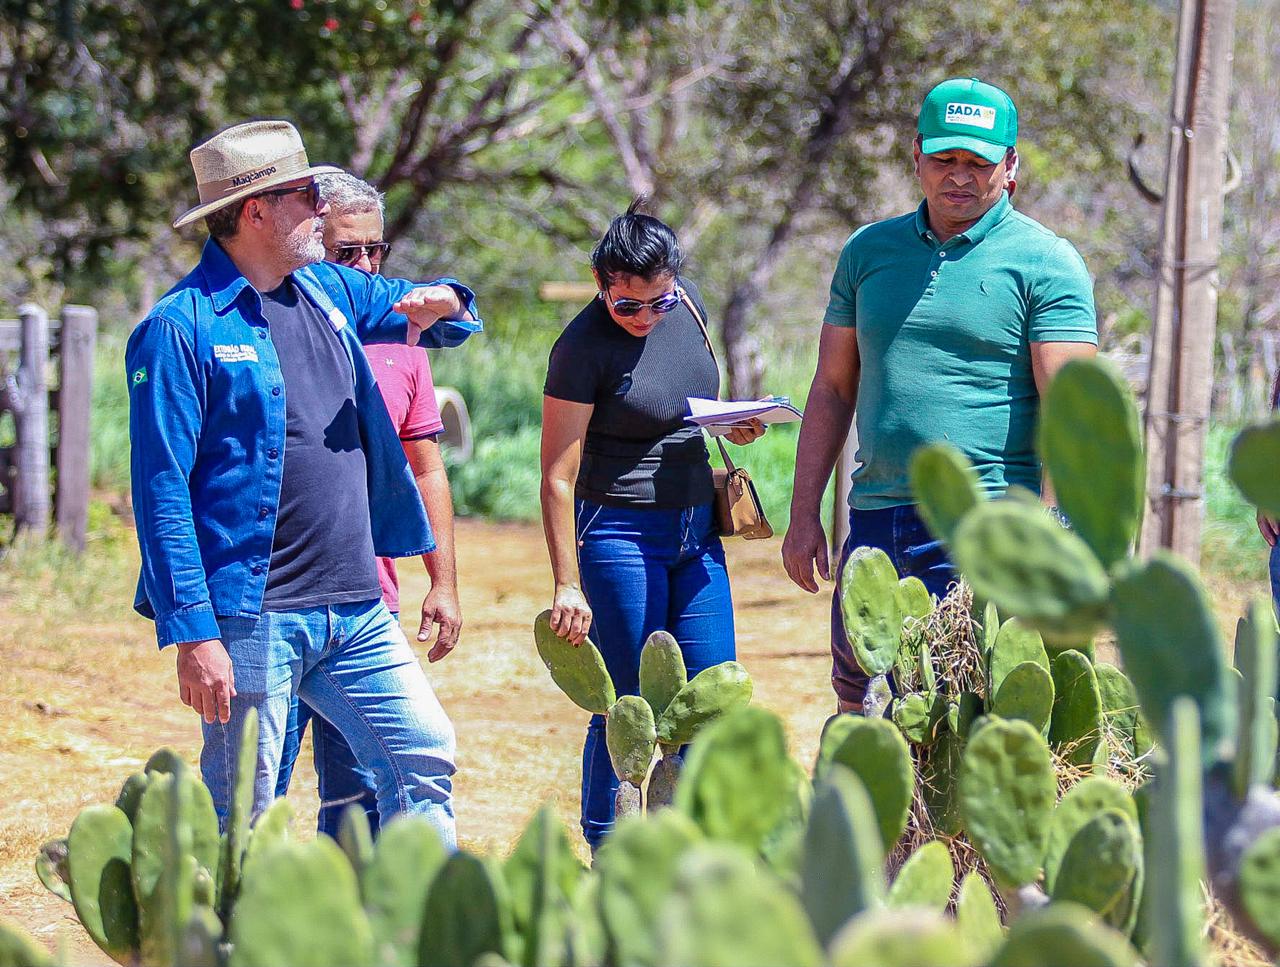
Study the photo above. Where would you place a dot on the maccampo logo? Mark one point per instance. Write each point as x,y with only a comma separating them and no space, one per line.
975,115
239,181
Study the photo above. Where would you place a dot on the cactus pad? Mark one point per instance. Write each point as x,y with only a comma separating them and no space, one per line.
1062,934
51,868
1252,465
1100,862
1017,557
579,671
914,599
631,737
1087,798
662,671
709,694
1007,792
1091,446
875,751
662,782
99,850
913,715
1015,643
239,816
467,913
925,879
542,875
939,778
1255,762
869,607
902,938
945,485
18,949
406,857
977,915
1260,884
1119,707
1077,707
1026,693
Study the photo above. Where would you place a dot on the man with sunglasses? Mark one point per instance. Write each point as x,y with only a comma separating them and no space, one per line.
267,476
353,229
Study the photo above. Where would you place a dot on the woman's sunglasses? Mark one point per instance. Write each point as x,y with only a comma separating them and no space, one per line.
631,307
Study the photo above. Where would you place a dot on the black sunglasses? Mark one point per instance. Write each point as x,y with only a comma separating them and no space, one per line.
631,307
311,188
351,254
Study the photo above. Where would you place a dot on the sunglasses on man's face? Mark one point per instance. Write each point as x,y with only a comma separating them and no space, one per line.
631,307
311,190
351,254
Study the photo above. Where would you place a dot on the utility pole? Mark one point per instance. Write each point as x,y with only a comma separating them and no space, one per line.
1182,333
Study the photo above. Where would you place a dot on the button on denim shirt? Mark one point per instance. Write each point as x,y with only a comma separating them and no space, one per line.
207,429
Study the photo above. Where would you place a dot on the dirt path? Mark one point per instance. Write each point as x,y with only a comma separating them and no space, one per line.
86,698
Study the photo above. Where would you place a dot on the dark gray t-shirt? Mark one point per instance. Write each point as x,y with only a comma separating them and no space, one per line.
639,451
322,552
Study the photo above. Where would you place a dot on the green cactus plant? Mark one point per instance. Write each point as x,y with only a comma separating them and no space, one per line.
842,873
1014,643
977,915
239,815
628,800
939,781
542,876
945,485
99,852
834,731
662,671
578,670
406,857
662,781
1017,557
1062,933
913,715
1119,709
273,827
876,752
467,913
1026,693
1089,797
737,783
1259,884
131,794
925,880
51,868
1252,465
1007,792
872,621
631,737
902,938
914,600
1255,761
1091,446
19,949
356,839
300,905
711,693
1077,707
1169,640
1100,862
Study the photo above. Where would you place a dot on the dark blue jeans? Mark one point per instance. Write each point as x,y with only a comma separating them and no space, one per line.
900,533
339,775
645,570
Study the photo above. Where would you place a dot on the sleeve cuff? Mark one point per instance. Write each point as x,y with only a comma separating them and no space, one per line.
196,623
832,318
1064,335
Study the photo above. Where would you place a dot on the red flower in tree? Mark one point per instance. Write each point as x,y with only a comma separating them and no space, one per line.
331,24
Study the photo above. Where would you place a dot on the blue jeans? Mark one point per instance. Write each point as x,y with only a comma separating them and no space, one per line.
644,570
352,665
900,533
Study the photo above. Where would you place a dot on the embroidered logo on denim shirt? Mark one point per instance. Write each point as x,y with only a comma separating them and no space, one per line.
337,319
242,353
139,376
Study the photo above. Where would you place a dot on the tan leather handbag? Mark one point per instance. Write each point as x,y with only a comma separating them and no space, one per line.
738,510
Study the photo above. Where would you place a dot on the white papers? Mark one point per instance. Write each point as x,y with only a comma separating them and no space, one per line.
718,417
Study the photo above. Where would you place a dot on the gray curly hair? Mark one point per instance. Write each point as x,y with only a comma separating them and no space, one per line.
347,193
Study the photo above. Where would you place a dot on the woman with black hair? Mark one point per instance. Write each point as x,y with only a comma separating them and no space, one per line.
626,481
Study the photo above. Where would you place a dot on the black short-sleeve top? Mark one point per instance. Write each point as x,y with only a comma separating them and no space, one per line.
638,451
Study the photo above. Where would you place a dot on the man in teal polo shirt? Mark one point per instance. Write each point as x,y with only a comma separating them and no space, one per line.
946,323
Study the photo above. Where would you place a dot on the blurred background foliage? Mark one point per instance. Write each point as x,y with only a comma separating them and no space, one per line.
506,133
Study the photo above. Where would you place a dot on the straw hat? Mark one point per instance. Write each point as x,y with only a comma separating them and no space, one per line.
247,159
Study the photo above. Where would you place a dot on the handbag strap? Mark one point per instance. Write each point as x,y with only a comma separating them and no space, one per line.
706,337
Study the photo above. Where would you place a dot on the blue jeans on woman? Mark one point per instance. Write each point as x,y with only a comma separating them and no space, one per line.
352,665
645,570
900,533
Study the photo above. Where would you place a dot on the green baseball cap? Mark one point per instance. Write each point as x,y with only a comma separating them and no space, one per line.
966,113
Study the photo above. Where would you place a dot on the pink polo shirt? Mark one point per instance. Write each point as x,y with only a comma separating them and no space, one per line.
404,377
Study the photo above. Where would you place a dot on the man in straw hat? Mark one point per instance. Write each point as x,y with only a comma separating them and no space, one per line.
267,478
946,323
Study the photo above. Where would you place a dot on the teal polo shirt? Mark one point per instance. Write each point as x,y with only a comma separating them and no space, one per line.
944,334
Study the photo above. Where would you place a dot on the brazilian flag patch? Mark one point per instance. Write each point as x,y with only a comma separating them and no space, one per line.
139,376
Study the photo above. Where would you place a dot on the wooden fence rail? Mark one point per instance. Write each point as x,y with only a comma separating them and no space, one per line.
34,343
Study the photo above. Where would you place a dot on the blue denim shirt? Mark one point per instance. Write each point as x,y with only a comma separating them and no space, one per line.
207,429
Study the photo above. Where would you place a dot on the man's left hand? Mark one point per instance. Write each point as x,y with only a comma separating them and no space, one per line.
440,607
425,305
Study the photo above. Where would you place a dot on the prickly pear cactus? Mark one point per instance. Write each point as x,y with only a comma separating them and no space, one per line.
945,485
939,781
579,671
18,949
901,938
1015,643
1062,934
236,839
1100,863
977,916
711,693
1007,792
1077,707
131,793
869,606
1260,884
406,857
628,800
913,715
467,914
914,600
842,873
662,781
1255,762
1168,637
1026,693
356,838
1091,446
300,905
1119,709
1017,557
99,851
631,737
662,671
875,751
51,868
542,876
1089,797
1252,465
925,879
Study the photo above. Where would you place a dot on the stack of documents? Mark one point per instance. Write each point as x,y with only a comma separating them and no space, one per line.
718,417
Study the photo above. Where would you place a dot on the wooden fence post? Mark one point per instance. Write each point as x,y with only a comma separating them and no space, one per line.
75,405
30,400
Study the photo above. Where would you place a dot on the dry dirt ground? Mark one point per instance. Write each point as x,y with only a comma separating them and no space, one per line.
85,697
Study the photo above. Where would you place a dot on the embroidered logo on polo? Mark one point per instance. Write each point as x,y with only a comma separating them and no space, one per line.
974,115
139,376
243,353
